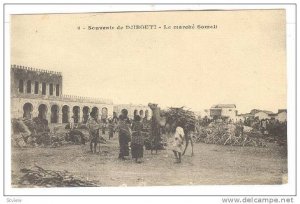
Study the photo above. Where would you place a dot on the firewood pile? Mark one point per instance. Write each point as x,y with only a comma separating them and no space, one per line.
37,176
34,132
228,134
181,117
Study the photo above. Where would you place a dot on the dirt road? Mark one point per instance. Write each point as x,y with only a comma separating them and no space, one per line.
211,164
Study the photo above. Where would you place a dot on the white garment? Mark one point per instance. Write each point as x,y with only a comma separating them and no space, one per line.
178,139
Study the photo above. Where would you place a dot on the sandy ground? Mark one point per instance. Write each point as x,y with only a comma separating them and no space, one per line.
211,164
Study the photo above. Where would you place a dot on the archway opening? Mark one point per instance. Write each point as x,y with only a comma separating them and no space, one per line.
76,114
96,111
27,109
54,113
86,112
65,114
135,112
104,113
124,112
43,111
146,114
142,113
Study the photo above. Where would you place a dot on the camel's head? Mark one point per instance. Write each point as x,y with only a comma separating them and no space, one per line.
152,106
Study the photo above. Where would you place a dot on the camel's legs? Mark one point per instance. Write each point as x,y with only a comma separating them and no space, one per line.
95,147
175,153
179,157
192,146
152,147
91,146
186,145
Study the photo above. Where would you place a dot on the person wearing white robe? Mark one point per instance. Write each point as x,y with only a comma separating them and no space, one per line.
178,143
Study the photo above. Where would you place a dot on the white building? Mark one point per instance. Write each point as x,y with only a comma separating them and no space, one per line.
203,113
281,115
224,111
263,115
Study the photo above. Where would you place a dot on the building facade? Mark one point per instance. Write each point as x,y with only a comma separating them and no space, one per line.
225,111
262,115
281,115
141,110
36,92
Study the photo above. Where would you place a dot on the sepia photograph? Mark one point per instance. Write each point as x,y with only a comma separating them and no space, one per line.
149,100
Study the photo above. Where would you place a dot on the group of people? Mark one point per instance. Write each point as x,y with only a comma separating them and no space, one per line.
129,132
271,127
133,133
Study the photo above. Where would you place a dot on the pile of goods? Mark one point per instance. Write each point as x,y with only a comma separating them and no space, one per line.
229,134
35,132
82,126
37,176
27,132
181,117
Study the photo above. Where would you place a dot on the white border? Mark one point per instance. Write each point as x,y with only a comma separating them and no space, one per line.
288,189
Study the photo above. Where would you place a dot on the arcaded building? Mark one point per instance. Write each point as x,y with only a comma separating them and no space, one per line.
141,110
37,92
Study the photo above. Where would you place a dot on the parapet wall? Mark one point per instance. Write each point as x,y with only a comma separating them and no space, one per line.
35,69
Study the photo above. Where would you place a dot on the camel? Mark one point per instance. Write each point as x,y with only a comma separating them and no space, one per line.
159,121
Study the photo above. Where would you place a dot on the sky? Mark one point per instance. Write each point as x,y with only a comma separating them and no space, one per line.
242,62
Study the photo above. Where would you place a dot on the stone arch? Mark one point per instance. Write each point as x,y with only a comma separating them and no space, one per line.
135,112
27,109
115,114
95,110
125,110
141,113
76,114
85,112
146,114
43,109
104,113
65,114
54,113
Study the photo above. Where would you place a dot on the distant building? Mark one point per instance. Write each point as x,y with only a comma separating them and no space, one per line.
223,111
281,115
239,118
141,110
204,113
247,116
264,114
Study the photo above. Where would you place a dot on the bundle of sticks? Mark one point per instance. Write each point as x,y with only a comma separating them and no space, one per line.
181,117
228,134
37,176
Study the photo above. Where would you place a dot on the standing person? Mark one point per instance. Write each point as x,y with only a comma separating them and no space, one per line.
93,127
264,126
111,128
137,141
178,143
124,137
103,126
72,123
